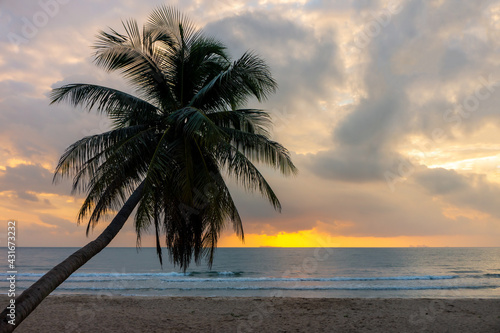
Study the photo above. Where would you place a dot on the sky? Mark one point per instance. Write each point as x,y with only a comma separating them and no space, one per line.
390,109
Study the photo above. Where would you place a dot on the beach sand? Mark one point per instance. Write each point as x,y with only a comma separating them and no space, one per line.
199,314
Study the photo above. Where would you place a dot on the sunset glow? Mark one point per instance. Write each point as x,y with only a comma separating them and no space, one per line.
394,130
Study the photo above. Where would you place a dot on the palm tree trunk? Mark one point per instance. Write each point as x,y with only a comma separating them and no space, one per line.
34,295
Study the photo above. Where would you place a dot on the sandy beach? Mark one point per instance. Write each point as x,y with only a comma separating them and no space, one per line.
198,314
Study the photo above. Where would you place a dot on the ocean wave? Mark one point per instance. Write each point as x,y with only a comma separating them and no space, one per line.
491,275
228,276
331,279
216,273
113,275
180,277
72,280
298,288
100,277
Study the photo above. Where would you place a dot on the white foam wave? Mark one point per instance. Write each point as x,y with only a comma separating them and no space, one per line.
312,288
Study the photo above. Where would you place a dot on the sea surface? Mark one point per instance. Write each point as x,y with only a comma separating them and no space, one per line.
286,272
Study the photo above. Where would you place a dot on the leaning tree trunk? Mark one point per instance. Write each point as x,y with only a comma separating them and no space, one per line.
34,295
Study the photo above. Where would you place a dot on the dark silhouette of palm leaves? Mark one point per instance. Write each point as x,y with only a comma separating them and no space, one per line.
182,133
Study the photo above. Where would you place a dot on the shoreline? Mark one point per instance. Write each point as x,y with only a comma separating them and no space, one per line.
69,313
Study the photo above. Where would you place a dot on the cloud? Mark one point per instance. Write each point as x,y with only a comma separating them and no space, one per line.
349,113
303,63
441,181
362,139
61,224
472,191
407,92
27,196
28,181
25,178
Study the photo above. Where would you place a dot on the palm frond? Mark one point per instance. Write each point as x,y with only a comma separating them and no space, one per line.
136,61
260,149
246,77
177,138
194,124
123,109
246,120
84,156
245,172
108,189
168,21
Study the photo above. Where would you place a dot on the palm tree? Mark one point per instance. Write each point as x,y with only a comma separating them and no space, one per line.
172,145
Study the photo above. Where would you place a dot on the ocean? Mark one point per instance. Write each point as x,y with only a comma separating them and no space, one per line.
282,272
